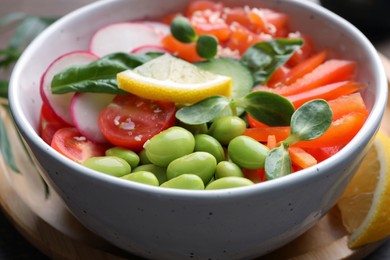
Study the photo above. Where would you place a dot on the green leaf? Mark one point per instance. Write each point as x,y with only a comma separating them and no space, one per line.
277,163
8,57
310,121
267,107
182,30
207,46
5,148
11,18
202,112
4,88
264,58
98,76
28,29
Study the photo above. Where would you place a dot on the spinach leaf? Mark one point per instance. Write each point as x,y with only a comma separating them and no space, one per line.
264,58
98,76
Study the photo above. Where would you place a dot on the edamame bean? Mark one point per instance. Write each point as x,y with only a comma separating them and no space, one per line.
195,129
199,163
229,182
207,143
226,128
143,159
186,182
129,156
226,169
142,177
159,172
111,165
248,153
169,145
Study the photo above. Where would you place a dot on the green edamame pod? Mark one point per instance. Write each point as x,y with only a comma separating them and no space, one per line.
248,153
186,182
159,172
142,177
111,165
199,163
229,182
169,145
129,156
227,169
207,143
226,128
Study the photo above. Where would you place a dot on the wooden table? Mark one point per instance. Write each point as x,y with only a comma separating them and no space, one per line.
12,244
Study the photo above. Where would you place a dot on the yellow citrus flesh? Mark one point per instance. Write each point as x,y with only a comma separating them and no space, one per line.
171,79
364,206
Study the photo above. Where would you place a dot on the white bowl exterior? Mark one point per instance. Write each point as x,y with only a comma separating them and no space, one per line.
164,223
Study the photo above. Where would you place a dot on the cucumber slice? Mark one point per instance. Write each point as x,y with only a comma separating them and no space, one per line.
242,79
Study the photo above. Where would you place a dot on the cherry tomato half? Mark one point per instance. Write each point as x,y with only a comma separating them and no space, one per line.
129,121
69,142
49,123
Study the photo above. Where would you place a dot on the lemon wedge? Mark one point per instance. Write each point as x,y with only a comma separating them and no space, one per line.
171,79
364,206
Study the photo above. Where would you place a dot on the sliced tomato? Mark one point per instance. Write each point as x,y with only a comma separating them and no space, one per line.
242,38
129,121
49,123
69,142
238,15
219,29
185,51
202,5
211,22
279,20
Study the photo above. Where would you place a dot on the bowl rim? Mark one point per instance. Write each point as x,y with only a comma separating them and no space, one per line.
305,175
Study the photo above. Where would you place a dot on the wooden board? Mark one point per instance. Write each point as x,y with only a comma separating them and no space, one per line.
43,219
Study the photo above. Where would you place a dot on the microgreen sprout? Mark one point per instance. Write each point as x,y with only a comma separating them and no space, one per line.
183,31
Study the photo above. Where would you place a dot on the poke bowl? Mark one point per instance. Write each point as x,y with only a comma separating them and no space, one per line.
177,223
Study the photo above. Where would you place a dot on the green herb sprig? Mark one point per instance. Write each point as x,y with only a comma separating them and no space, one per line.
206,44
27,28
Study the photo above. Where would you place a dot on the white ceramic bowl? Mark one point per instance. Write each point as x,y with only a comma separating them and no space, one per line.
166,223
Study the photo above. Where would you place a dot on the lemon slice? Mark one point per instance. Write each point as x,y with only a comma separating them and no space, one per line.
365,203
172,79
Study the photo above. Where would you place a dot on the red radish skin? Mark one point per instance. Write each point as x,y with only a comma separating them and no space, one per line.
123,37
85,110
60,103
149,48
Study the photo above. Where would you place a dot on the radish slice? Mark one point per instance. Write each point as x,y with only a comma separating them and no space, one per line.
123,37
149,48
161,28
85,110
60,103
